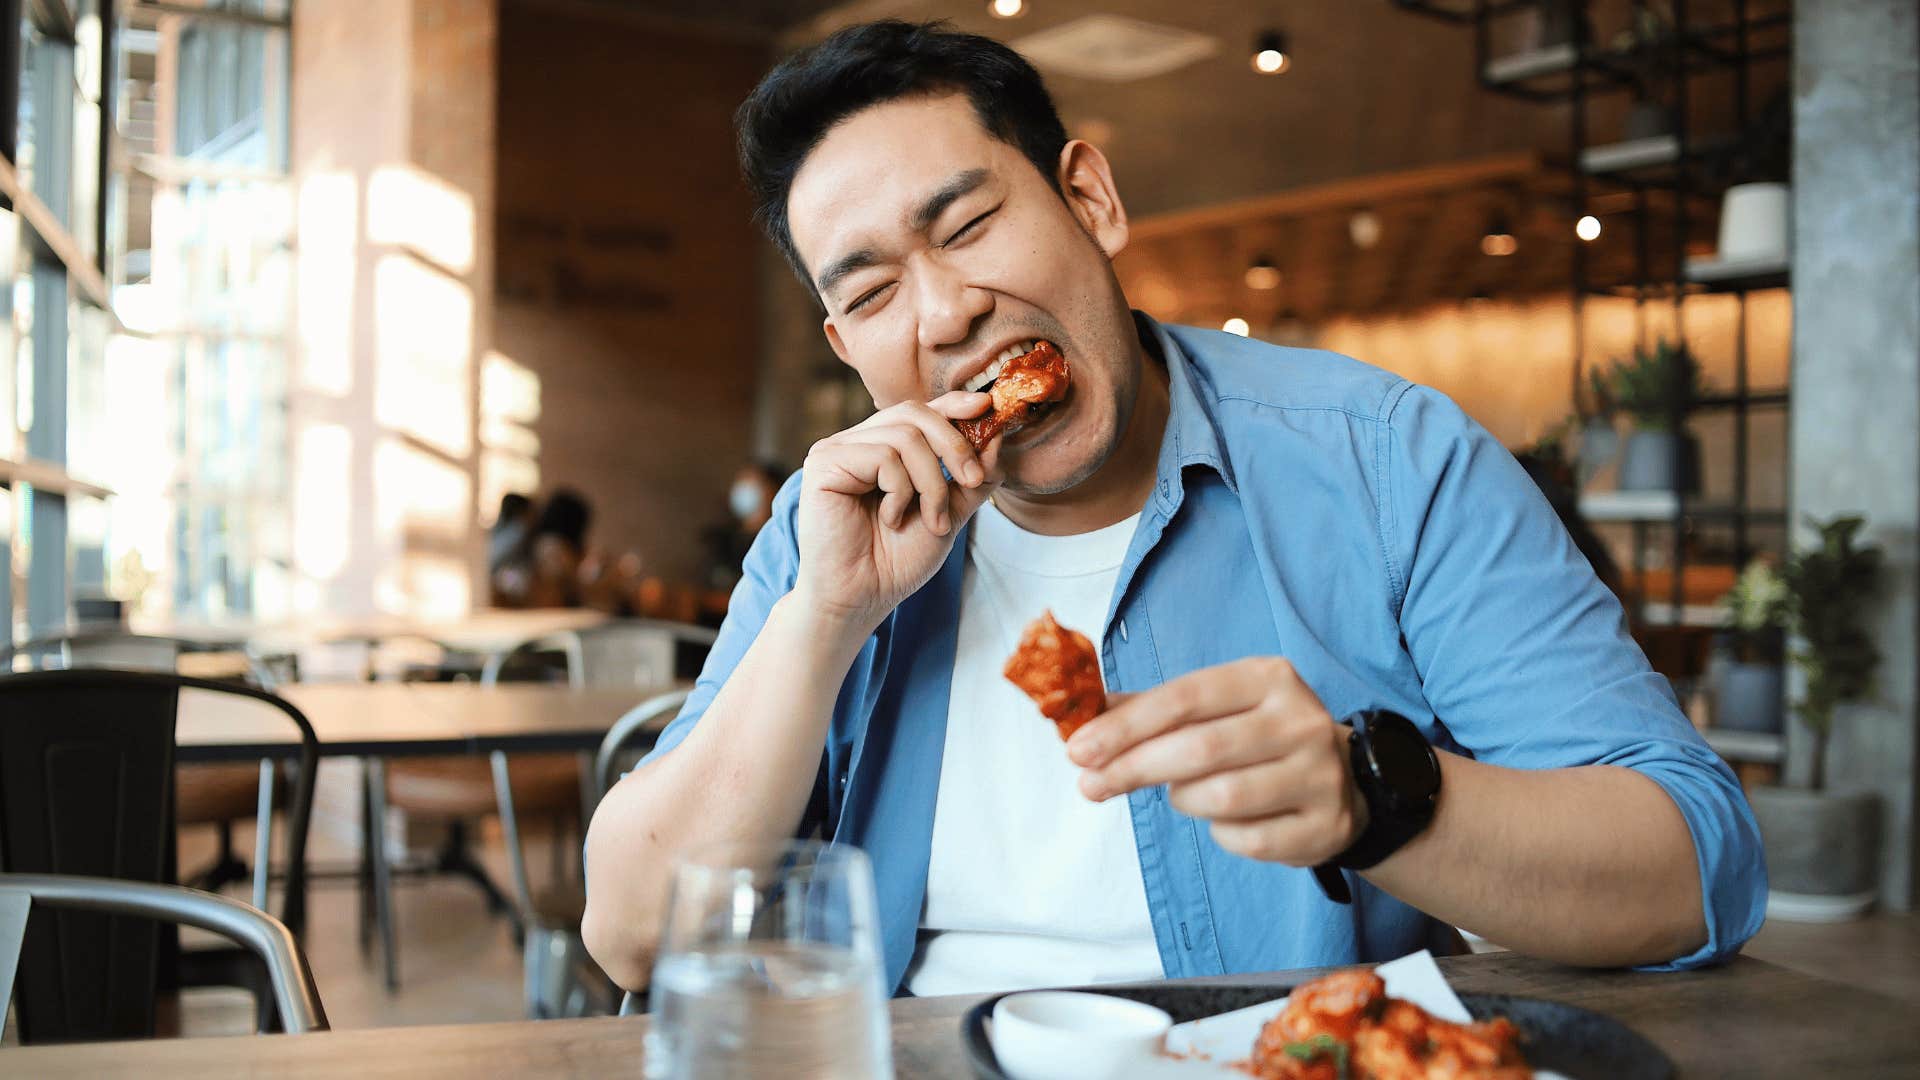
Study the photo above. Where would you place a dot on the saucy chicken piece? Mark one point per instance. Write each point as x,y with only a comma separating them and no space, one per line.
1345,1027
1060,670
1029,381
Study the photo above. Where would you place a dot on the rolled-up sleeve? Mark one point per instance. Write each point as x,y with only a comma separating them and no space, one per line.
767,575
1525,657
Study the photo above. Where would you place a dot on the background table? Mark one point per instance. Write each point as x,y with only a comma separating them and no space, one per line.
396,719
1747,1019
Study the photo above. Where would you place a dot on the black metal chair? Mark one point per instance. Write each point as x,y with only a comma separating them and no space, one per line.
219,794
69,902
561,979
87,788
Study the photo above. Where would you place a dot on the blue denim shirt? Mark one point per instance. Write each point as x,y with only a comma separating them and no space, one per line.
1312,507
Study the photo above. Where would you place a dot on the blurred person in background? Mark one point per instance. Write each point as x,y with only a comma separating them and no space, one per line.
544,568
749,507
504,536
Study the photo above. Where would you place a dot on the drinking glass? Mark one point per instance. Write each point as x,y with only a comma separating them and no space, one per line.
770,965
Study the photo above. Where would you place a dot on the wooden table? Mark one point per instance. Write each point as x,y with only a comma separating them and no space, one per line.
397,719
1748,1019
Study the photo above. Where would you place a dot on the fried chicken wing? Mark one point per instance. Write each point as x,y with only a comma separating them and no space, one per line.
1027,382
1344,1027
1060,670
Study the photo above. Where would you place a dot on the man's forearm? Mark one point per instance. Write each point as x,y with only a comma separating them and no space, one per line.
743,774
1590,865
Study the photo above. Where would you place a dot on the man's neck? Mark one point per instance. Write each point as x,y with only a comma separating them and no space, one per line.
1120,487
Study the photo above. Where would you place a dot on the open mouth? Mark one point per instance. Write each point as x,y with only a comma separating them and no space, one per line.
1026,382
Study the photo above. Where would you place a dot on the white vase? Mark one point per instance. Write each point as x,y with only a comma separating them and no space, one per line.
1756,222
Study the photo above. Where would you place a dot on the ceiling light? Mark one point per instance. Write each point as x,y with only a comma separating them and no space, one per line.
1236,325
1270,56
1007,9
1588,228
1263,275
1499,240
1364,229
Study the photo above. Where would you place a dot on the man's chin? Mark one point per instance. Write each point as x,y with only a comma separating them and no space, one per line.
1048,467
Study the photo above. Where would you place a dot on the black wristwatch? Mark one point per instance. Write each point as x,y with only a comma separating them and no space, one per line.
1399,776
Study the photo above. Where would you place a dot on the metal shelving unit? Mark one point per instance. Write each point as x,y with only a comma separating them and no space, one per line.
1687,170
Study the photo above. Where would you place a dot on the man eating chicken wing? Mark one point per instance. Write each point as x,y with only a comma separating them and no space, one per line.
1361,685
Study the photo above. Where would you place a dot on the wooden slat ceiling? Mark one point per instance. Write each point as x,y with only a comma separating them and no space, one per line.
1191,265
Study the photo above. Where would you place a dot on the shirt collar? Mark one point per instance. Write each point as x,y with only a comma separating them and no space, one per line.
1192,436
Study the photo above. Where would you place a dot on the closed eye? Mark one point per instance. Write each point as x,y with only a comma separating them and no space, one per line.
867,297
961,233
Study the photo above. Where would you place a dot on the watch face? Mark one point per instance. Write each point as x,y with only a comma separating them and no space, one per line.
1401,757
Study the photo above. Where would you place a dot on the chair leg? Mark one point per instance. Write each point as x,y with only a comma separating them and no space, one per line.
366,861
382,875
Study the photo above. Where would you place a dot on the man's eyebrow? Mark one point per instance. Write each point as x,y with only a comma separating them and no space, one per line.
922,218
934,205
844,265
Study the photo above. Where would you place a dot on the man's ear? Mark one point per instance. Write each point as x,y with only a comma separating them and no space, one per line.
833,339
1086,182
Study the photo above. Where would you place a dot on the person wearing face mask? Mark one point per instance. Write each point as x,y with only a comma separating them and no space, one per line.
749,507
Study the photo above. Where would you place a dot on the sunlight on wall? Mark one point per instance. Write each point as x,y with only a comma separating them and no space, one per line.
329,229
323,505
417,493
510,451
423,337
409,207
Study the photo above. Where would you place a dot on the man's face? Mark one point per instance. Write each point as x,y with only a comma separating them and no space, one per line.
936,246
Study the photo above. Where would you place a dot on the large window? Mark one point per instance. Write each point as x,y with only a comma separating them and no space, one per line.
148,260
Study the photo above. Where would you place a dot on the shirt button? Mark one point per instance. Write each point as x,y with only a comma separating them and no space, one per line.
1166,488
1123,629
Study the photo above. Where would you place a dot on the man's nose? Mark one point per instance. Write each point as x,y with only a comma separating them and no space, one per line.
948,306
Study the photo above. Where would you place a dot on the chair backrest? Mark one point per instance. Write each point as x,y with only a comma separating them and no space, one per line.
641,724
295,997
86,788
623,653
119,649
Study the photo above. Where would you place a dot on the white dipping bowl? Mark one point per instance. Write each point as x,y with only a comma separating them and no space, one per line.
1066,1035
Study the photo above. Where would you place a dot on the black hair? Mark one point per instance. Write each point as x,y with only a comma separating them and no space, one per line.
565,515
802,98
513,505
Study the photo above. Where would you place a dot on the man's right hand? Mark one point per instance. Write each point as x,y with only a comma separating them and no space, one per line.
877,517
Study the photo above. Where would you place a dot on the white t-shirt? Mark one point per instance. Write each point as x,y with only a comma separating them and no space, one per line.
1030,884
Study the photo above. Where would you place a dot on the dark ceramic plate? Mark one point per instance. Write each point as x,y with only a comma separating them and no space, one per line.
1574,1042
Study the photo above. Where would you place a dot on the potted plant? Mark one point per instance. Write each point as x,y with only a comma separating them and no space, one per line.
1655,386
1747,665
1599,442
1648,50
1823,847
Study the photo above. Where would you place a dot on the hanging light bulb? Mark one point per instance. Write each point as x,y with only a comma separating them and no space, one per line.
1237,325
1588,228
1007,9
1499,240
1270,56
1263,275
1363,228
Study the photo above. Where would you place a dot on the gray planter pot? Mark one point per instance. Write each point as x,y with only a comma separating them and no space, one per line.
1647,120
1599,445
1647,463
1823,852
1748,697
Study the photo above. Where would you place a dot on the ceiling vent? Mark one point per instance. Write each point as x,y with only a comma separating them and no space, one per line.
1113,48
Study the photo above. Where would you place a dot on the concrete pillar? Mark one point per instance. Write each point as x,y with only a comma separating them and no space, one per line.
393,163
1855,429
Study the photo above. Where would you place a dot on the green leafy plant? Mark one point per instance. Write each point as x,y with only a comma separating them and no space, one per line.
1758,609
1655,383
1831,587
1600,388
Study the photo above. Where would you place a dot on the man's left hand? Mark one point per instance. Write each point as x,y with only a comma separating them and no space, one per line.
1247,746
